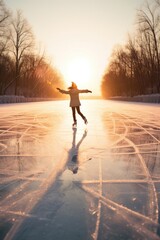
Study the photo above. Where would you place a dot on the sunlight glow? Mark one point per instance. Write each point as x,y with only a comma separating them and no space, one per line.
79,71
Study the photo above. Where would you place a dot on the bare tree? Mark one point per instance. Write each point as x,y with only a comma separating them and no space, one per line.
135,68
149,23
4,37
4,26
22,43
4,13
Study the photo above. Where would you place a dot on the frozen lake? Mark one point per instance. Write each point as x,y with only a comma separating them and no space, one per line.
97,182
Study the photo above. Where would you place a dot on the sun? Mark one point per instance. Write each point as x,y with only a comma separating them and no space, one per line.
79,71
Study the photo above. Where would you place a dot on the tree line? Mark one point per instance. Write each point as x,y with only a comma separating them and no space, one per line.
134,68
24,70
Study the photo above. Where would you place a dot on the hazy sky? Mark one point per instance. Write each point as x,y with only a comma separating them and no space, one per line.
79,35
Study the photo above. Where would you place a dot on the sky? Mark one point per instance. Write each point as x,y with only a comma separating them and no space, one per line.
79,35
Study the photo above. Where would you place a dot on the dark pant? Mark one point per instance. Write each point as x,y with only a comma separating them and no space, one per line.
78,111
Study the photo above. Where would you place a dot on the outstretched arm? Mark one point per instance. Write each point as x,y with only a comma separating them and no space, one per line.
62,91
85,91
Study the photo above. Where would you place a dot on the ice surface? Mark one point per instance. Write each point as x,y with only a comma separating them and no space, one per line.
97,182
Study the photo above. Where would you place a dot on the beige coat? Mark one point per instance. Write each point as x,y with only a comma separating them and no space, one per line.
74,96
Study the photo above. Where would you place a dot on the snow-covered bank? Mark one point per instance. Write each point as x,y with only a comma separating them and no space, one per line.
151,98
20,99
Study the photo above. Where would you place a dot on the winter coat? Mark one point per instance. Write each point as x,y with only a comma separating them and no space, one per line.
74,96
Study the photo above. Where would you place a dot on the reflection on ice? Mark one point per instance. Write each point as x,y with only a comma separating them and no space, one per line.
74,157
115,193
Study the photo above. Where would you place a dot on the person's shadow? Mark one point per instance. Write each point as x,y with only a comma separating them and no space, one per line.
73,154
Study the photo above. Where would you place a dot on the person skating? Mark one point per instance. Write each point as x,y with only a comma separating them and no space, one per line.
75,101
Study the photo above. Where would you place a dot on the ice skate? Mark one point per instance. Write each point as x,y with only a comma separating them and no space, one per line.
74,125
